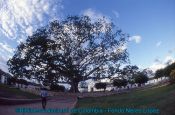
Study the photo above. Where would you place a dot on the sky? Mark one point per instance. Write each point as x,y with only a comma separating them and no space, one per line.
150,24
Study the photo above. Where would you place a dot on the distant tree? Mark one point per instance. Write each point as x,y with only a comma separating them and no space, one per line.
140,78
168,69
165,72
172,75
72,50
100,86
129,71
159,73
120,82
148,72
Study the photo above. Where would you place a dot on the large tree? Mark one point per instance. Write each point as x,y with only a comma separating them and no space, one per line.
72,50
148,72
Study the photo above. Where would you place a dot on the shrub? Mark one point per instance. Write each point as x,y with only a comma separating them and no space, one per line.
100,86
120,82
55,87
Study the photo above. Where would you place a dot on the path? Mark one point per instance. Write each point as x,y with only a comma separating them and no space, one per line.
55,103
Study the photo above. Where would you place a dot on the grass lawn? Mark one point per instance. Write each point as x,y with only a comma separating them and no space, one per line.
162,98
7,92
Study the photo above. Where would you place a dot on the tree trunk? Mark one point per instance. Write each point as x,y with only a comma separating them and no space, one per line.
74,87
139,84
104,89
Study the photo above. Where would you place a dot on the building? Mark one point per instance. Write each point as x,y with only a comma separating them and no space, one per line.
109,87
4,77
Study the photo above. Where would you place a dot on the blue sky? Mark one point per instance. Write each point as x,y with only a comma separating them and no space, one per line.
150,23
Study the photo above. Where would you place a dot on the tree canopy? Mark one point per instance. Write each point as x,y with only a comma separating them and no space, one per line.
168,69
165,72
55,87
120,82
140,78
72,50
129,71
159,73
100,85
172,75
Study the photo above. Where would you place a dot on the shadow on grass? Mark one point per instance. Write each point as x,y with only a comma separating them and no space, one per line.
161,98
7,92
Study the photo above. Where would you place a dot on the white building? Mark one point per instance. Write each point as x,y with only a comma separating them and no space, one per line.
83,86
3,79
109,87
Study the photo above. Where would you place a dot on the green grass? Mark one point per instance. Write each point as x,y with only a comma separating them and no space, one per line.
162,98
7,92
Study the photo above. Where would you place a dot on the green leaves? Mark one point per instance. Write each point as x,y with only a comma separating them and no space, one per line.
100,85
120,82
140,78
165,72
75,49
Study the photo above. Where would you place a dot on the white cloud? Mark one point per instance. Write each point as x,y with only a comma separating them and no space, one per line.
3,67
157,60
3,61
168,60
4,47
158,64
171,51
95,15
29,30
135,38
17,17
116,14
158,43
20,40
